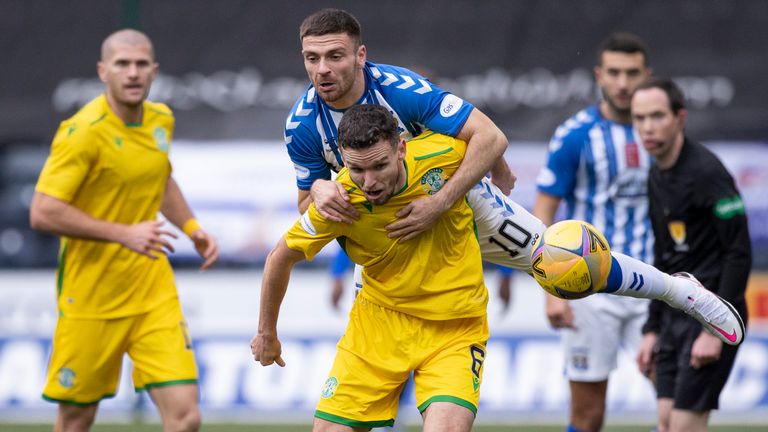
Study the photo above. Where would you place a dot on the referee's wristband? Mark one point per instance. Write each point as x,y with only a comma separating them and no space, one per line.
191,226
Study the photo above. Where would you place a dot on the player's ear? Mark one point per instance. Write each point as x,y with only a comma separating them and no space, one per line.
401,149
361,55
682,115
101,69
598,72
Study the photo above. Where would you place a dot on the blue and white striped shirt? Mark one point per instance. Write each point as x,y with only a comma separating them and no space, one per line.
417,104
600,170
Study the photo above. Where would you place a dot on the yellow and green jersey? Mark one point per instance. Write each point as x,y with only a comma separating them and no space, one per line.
437,275
116,172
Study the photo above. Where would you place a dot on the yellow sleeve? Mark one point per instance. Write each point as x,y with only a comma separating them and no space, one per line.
72,156
312,232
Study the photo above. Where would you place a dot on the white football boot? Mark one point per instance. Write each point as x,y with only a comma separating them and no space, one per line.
716,315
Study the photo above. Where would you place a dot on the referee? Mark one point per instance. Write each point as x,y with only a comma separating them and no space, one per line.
700,224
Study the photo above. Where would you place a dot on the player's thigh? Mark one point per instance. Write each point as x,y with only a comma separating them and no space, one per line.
86,359
161,348
447,417
591,349
453,353
506,231
370,368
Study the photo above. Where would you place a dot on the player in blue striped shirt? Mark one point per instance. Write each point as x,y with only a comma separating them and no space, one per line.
597,167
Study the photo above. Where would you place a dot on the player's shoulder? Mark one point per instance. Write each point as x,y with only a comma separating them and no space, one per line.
397,80
86,121
301,117
702,161
431,144
157,109
579,124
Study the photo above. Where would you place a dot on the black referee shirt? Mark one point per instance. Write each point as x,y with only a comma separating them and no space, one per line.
700,226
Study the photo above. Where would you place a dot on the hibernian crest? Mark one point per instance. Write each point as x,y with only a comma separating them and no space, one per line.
329,388
161,139
66,377
433,180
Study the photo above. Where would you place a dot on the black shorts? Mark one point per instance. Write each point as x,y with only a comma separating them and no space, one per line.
691,389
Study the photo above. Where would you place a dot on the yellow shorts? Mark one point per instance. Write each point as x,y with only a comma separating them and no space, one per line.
87,354
379,350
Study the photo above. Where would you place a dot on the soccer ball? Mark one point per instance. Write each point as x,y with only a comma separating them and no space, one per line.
571,259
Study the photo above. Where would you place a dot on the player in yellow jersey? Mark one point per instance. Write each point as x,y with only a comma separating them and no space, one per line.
107,177
423,303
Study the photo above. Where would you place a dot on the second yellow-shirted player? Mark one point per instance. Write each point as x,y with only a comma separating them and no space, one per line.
422,307
103,185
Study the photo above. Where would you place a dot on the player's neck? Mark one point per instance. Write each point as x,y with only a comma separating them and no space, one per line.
354,94
127,113
610,113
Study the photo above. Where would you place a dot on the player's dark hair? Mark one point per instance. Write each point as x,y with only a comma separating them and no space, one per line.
622,42
674,94
331,21
362,126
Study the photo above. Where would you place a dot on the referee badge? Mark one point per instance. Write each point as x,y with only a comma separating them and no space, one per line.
677,232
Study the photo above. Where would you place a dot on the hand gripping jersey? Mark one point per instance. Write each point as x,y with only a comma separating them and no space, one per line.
601,172
417,104
437,275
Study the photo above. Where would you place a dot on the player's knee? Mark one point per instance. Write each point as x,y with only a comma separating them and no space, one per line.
185,421
75,418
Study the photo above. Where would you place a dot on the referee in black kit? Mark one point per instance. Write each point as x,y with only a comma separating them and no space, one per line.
700,224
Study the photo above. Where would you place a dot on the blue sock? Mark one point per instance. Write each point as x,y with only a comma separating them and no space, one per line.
571,428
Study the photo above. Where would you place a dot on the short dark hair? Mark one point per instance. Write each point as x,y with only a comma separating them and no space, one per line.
622,42
363,126
331,21
674,94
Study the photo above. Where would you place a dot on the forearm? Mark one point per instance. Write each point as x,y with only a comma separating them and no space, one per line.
174,206
274,284
54,216
485,151
545,207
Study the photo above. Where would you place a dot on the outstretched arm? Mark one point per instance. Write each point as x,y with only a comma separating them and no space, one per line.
265,346
176,210
58,217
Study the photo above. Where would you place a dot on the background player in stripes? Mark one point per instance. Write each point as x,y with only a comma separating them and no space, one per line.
597,167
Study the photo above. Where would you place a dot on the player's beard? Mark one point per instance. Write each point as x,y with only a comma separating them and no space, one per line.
623,112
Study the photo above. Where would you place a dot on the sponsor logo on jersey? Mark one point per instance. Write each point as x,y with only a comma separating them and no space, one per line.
433,180
306,224
329,388
66,377
450,105
727,208
677,232
161,139
302,172
632,154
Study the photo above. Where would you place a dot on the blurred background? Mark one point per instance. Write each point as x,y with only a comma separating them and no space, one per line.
231,70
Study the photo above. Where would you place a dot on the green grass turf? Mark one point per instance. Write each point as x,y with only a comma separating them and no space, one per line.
10,427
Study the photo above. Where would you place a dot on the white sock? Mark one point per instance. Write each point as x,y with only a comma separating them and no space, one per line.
642,280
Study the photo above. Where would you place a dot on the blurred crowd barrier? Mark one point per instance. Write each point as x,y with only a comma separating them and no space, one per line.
245,193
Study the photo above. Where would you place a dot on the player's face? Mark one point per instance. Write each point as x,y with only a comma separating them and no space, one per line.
618,76
335,66
659,128
128,73
377,170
